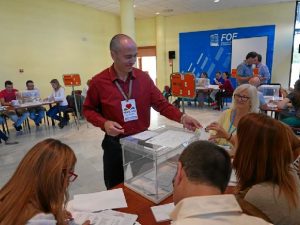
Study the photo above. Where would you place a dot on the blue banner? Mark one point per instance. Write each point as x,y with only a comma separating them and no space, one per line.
210,51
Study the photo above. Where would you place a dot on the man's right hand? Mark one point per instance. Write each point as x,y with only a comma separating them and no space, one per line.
113,128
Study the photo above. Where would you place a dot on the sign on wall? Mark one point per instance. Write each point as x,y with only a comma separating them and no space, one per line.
211,51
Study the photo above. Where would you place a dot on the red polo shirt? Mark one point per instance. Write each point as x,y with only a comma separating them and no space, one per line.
8,96
103,101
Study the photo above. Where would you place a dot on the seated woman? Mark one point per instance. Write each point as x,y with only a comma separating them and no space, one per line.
291,107
226,90
202,94
37,192
264,167
245,100
58,94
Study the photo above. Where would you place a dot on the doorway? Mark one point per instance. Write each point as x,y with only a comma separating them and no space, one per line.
146,60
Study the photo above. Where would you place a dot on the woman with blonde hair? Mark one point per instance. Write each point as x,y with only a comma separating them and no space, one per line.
245,100
58,95
37,191
264,167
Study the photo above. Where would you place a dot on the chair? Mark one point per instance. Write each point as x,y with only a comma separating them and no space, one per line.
4,125
225,99
72,109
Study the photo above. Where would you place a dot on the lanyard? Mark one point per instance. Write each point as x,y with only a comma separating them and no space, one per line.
127,97
231,122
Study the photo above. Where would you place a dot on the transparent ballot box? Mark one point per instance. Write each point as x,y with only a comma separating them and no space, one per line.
150,160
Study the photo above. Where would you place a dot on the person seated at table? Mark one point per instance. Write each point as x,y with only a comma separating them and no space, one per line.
7,96
245,100
58,95
290,106
203,173
86,88
38,190
226,90
35,113
218,80
265,174
255,81
201,95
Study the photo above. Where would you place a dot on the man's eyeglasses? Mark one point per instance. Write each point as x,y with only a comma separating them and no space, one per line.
72,176
241,97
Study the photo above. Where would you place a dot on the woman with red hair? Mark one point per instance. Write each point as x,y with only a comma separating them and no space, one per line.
264,166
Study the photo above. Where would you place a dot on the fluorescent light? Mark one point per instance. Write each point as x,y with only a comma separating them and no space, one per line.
216,1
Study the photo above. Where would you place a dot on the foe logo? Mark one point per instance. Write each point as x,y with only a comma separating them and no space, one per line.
228,37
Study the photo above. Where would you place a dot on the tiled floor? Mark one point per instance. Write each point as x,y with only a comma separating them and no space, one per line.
86,142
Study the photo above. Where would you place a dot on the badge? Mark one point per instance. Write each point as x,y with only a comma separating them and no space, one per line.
129,110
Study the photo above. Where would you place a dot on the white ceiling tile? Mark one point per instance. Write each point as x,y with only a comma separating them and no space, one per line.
148,8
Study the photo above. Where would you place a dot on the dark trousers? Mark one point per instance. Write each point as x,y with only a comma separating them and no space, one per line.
3,136
112,161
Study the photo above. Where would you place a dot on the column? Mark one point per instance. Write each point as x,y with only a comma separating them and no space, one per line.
127,18
162,77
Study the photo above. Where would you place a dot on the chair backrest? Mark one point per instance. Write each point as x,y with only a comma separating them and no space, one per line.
79,101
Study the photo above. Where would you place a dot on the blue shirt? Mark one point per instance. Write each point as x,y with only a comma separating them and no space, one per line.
220,80
244,70
261,98
263,71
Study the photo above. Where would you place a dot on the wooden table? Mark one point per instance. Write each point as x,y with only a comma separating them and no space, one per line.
141,206
274,112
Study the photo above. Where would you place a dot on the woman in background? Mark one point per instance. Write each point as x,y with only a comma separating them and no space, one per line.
264,167
58,95
245,100
290,114
226,90
37,192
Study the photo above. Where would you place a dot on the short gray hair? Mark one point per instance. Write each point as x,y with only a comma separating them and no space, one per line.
115,41
252,91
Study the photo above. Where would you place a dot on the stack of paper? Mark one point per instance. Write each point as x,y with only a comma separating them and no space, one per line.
93,202
107,217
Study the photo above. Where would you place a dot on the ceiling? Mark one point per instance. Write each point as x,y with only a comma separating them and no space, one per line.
150,8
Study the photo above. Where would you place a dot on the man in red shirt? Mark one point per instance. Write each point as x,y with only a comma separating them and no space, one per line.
119,100
7,95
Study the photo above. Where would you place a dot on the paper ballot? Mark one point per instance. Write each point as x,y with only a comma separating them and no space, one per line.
93,202
171,138
107,217
162,212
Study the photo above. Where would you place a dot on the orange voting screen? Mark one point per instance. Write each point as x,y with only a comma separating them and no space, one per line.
183,85
72,79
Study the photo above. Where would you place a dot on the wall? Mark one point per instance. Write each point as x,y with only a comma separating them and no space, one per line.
281,14
48,38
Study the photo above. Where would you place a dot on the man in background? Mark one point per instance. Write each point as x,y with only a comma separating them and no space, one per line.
7,96
203,173
245,69
119,100
263,70
35,113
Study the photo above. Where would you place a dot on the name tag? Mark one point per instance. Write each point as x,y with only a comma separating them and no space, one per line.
129,110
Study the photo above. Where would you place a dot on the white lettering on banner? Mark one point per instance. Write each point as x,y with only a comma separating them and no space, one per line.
228,36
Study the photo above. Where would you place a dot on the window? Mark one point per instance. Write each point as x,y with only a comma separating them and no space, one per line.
295,70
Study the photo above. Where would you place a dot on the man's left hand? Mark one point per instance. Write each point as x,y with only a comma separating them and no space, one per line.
189,122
